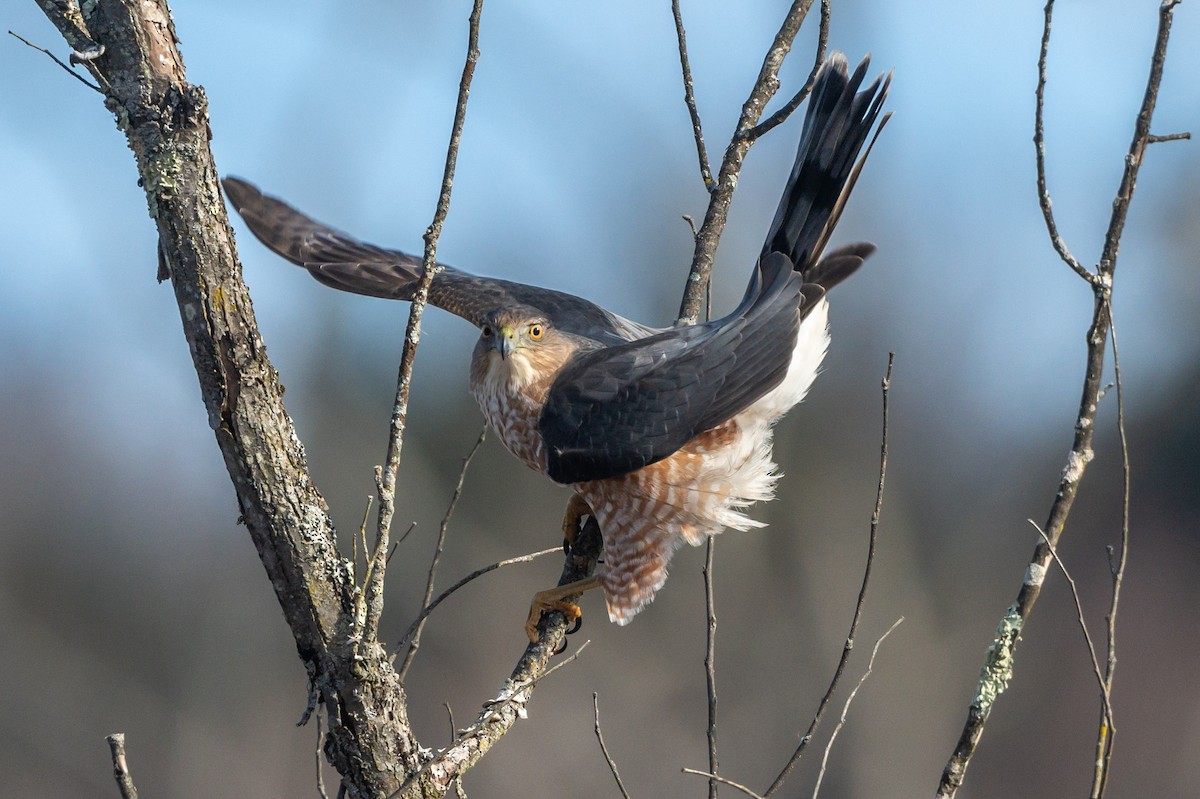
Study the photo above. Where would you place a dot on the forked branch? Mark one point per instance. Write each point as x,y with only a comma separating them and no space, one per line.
709,234
1002,653
848,646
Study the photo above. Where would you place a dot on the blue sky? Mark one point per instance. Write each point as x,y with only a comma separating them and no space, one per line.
577,162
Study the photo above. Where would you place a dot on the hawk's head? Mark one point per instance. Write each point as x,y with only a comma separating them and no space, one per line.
518,346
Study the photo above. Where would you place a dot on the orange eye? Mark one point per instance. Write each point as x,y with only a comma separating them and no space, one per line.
536,332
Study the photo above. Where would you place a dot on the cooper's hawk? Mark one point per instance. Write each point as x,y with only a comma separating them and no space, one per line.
664,435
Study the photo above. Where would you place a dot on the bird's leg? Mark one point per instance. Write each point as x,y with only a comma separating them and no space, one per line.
577,508
554,599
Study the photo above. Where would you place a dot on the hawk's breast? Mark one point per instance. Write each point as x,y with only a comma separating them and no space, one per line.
513,412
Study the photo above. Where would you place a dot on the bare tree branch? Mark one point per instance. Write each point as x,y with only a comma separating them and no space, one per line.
710,665
873,541
116,745
369,740
846,707
1039,144
1105,735
54,58
1141,139
498,715
415,638
1079,617
67,16
994,681
165,121
386,482
428,609
319,761
501,712
612,765
689,97
1153,139
723,781
709,235
768,83
780,116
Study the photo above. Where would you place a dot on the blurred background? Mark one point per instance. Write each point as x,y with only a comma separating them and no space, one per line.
131,601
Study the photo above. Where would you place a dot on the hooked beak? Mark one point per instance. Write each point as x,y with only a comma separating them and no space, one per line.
506,342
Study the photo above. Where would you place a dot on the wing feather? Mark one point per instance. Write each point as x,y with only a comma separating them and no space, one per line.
343,262
614,410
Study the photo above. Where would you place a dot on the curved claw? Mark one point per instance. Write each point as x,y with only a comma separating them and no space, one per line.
554,600
575,627
562,648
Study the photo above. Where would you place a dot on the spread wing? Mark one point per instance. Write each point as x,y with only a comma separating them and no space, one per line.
617,409
343,262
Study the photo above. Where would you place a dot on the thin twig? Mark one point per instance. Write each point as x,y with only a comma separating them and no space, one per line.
1153,139
846,708
886,386
1016,616
689,97
415,640
513,698
532,681
612,764
54,58
724,781
509,705
412,628
1105,735
386,484
116,745
450,716
1039,146
710,617
318,756
396,544
780,116
1087,636
67,17
710,667
721,196
362,534
1141,138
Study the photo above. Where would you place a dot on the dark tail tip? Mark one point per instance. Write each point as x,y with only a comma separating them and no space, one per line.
837,124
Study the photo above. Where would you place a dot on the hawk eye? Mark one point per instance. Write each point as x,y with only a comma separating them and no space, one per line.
536,332
487,331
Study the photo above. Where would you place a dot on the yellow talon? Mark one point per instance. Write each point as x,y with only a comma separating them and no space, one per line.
555,600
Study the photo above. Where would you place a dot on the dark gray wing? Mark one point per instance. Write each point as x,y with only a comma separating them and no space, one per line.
343,262
617,409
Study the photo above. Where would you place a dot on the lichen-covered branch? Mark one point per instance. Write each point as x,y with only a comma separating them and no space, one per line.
500,713
992,683
116,746
165,121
